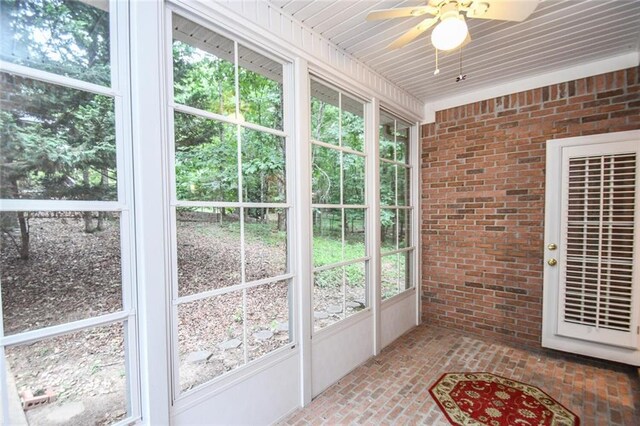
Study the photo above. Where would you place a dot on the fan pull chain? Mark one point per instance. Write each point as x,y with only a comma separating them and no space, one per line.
437,71
460,76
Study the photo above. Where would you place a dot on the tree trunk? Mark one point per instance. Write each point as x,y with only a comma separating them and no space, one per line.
24,236
281,222
88,222
104,183
23,222
100,225
88,219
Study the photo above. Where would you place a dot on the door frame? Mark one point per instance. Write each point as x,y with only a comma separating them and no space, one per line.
552,232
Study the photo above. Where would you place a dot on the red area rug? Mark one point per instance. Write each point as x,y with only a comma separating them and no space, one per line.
487,399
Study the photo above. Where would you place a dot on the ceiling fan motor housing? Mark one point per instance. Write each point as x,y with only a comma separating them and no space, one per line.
452,30
449,10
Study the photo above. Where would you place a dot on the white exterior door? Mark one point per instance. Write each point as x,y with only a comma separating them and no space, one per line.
592,281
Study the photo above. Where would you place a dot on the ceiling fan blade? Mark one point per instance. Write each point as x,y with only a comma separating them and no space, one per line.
414,32
504,10
400,12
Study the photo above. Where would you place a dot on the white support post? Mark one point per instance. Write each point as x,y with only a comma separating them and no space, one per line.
415,153
302,220
372,123
152,200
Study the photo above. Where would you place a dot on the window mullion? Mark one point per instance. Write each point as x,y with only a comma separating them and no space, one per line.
59,80
243,255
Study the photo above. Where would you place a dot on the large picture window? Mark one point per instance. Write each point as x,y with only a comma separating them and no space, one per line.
396,245
338,204
68,320
232,279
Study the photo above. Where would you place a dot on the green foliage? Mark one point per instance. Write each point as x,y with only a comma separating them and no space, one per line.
260,99
328,248
263,167
206,160
67,37
334,126
202,80
56,142
206,150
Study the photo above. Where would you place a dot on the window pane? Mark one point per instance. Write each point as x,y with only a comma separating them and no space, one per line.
206,158
388,229
85,372
404,228
267,318
265,243
352,124
58,267
55,142
325,114
386,136
396,274
354,234
69,38
203,70
402,141
327,236
210,338
260,81
208,242
356,290
328,297
403,185
404,271
387,184
354,182
326,175
263,167
390,274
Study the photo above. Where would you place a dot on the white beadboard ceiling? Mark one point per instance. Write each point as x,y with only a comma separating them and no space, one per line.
558,35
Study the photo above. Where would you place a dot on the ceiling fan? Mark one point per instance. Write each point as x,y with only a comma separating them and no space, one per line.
452,32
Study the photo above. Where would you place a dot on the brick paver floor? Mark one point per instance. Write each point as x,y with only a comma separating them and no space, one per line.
393,388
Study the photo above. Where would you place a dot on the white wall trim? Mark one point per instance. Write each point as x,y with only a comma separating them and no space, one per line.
149,133
575,72
261,22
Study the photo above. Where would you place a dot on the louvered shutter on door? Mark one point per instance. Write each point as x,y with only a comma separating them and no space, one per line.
597,275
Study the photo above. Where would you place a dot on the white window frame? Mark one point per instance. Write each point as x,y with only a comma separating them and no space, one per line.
211,385
368,216
124,205
410,201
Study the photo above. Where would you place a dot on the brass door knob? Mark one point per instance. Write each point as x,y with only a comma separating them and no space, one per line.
552,246
552,262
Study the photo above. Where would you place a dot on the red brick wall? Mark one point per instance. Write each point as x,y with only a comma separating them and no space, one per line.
483,199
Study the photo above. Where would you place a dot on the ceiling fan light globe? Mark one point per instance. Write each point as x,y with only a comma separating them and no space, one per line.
450,33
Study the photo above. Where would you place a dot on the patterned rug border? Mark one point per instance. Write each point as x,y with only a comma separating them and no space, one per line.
474,422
